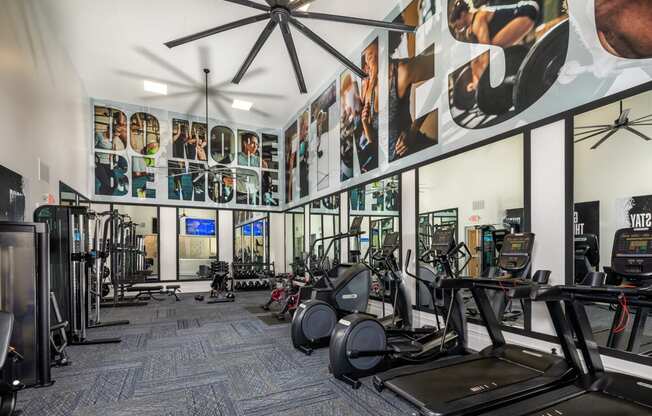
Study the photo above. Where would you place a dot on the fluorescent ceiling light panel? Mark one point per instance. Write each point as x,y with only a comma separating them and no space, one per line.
242,105
155,87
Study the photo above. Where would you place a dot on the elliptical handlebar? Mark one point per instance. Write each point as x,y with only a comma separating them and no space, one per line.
408,255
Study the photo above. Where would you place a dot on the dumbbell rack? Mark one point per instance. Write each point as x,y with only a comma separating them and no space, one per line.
252,276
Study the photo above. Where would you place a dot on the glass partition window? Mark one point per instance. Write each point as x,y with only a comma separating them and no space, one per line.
146,219
251,235
613,191
478,192
197,242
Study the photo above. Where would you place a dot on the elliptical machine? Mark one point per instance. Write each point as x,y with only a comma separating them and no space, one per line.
362,344
335,293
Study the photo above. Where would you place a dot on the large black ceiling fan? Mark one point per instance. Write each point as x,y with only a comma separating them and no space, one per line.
284,13
622,123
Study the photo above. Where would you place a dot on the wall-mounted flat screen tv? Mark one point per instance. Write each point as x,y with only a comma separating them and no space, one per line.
197,226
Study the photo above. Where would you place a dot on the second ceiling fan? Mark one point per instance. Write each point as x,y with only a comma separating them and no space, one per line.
284,13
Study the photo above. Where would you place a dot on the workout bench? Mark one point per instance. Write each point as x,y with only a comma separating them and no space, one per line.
149,291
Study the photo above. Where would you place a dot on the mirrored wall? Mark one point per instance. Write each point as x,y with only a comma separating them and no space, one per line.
379,205
612,155
197,242
295,240
480,194
146,219
324,223
251,237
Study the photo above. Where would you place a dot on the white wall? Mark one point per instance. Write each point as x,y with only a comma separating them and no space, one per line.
45,110
621,167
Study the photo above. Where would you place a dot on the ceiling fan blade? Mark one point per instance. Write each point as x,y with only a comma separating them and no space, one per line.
638,133
599,130
222,113
594,126
216,30
173,69
175,95
590,136
223,94
271,25
194,105
271,3
252,4
141,77
641,118
300,3
328,48
395,27
604,139
289,43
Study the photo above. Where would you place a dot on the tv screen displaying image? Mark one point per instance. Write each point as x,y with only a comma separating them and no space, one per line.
258,229
195,226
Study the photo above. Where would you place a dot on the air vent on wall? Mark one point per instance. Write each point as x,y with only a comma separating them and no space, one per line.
43,171
478,205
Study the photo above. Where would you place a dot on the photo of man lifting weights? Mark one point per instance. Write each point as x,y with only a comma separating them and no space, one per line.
533,35
502,26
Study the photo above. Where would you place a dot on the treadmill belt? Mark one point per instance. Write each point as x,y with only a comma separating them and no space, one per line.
458,381
595,404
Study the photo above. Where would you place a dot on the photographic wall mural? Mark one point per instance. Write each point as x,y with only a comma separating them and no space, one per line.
473,70
154,156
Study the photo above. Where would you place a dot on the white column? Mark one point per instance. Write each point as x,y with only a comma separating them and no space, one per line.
548,211
225,236
344,225
168,249
408,221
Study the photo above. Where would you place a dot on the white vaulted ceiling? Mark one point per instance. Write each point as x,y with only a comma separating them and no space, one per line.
115,45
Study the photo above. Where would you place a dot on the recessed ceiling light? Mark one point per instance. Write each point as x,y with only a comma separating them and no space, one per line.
155,87
242,105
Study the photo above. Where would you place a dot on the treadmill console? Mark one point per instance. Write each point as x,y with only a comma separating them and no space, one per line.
390,244
632,254
516,252
443,240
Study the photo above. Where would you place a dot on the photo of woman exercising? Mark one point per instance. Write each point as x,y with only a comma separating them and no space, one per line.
503,26
407,71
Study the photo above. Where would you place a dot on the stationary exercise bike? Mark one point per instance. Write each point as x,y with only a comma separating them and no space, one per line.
362,344
285,294
335,293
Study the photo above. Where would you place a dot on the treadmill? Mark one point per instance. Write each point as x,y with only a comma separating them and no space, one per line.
501,373
598,392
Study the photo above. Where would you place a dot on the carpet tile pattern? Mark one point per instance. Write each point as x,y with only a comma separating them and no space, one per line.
192,359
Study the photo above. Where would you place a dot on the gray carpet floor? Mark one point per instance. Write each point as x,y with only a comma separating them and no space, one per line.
189,358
